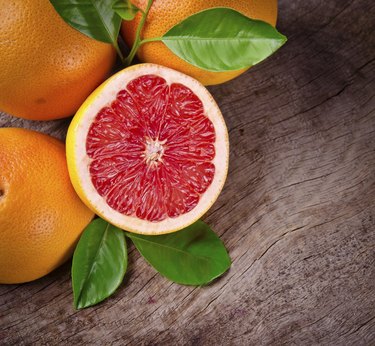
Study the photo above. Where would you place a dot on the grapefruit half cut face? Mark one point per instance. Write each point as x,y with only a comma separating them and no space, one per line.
148,150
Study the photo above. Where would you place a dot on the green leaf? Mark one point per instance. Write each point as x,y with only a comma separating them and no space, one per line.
193,256
96,19
99,263
222,39
125,9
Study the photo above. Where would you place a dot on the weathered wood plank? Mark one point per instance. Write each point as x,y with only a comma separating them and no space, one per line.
297,212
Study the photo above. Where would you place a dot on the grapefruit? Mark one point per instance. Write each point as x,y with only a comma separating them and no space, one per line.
148,150
47,68
41,216
164,14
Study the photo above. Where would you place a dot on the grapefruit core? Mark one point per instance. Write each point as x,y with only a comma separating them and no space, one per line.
148,150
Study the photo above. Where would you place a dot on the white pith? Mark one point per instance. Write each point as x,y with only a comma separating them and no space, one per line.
154,151
86,115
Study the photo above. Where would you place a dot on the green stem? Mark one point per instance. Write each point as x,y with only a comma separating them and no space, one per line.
138,41
153,39
118,50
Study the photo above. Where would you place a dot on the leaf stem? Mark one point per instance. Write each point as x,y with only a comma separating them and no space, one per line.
138,41
152,39
118,50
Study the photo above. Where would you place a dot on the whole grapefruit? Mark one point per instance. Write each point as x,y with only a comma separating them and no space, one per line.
47,68
164,14
41,217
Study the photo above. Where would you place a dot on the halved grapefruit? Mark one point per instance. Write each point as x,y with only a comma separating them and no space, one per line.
148,150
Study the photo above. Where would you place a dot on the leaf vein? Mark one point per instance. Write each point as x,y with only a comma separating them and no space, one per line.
208,259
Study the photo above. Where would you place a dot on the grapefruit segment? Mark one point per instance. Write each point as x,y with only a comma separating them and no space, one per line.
148,150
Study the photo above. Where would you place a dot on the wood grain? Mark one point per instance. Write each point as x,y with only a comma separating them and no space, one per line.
297,213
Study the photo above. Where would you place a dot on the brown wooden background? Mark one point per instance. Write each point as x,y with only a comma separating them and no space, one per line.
297,212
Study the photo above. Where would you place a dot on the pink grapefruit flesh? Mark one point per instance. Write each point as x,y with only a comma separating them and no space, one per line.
152,150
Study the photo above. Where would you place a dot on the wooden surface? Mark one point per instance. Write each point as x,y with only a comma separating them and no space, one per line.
297,212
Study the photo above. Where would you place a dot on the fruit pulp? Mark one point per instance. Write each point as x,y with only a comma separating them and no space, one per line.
151,150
